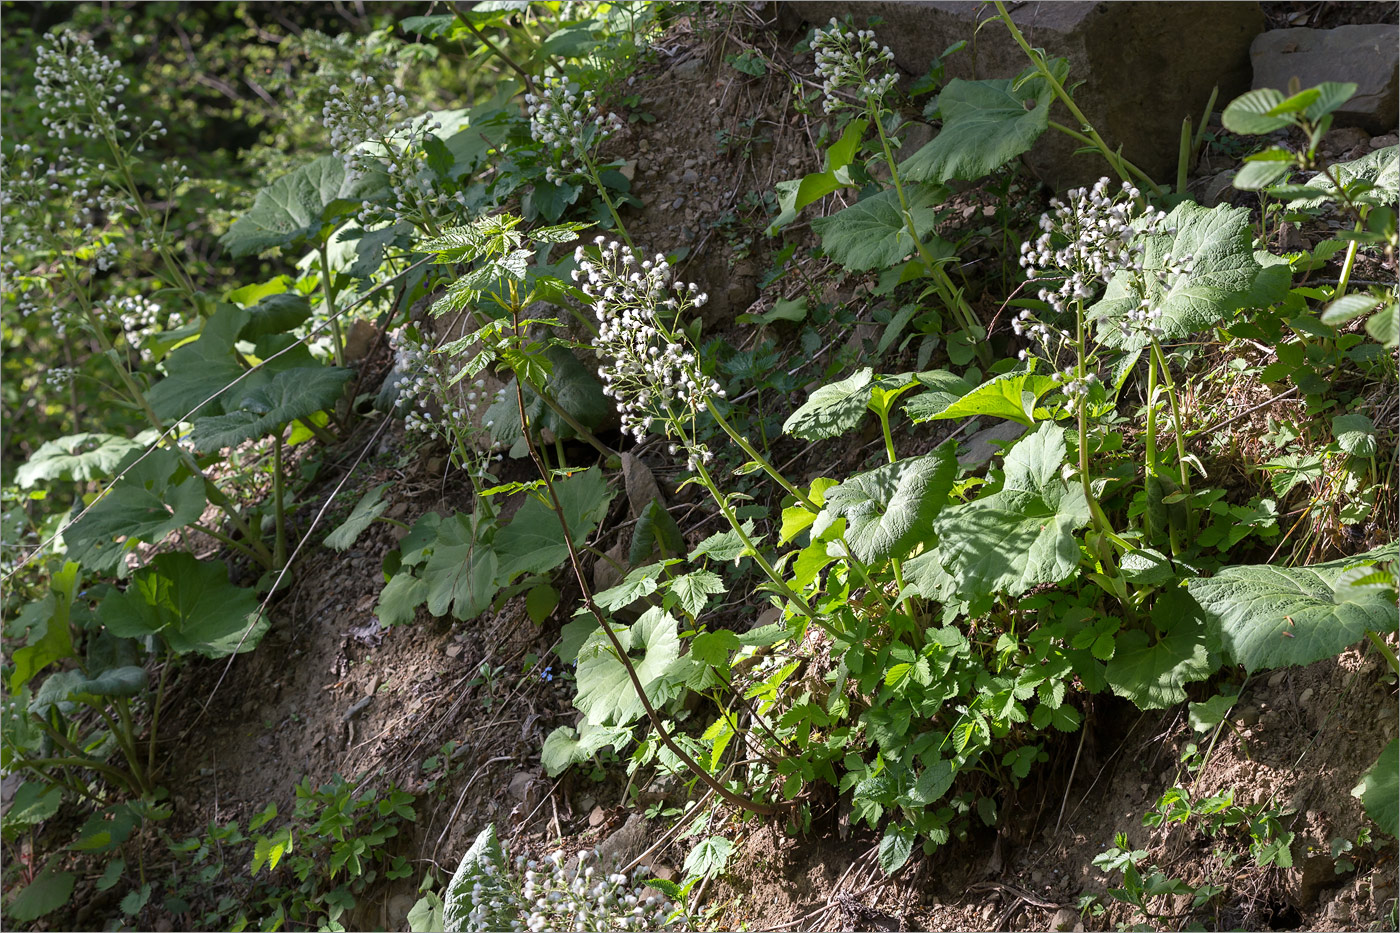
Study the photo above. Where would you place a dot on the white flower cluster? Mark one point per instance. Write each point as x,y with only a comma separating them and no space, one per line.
369,133
553,897
568,125
648,367
1099,240
58,377
851,59
79,91
58,206
426,401
140,318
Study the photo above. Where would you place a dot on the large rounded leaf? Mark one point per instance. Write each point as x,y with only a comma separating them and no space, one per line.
1153,672
1023,535
80,457
605,692
832,409
1220,240
296,206
871,234
985,125
155,497
189,604
266,409
890,509
1277,616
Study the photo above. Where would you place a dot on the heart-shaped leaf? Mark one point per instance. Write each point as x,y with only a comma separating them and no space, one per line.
871,234
832,409
1153,672
296,207
460,576
478,882
1220,240
202,369
1277,616
1022,535
1373,179
533,542
267,408
890,509
1355,434
189,604
985,125
155,497
80,457
605,692
566,746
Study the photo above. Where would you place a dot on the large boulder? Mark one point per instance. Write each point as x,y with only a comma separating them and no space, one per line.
1368,55
1140,67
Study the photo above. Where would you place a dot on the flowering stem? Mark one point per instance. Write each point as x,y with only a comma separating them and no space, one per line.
603,193
758,458
792,490
768,570
328,285
708,779
1120,165
1176,416
279,548
214,493
950,293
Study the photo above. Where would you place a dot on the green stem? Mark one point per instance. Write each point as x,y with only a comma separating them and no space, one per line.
179,278
1347,266
125,733
638,688
950,293
116,775
321,434
1385,651
1120,165
1180,428
225,540
758,458
279,548
155,711
138,398
1082,410
768,570
1128,167
328,285
792,490
1183,156
602,190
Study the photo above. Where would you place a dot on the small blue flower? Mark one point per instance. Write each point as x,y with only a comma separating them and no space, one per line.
547,674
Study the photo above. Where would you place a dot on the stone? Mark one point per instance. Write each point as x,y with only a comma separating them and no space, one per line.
628,842
520,784
1338,912
1344,139
398,908
1365,54
1066,919
1380,142
640,484
980,448
1134,83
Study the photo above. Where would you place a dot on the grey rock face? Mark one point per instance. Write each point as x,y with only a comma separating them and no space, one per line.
1365,54
1141,67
